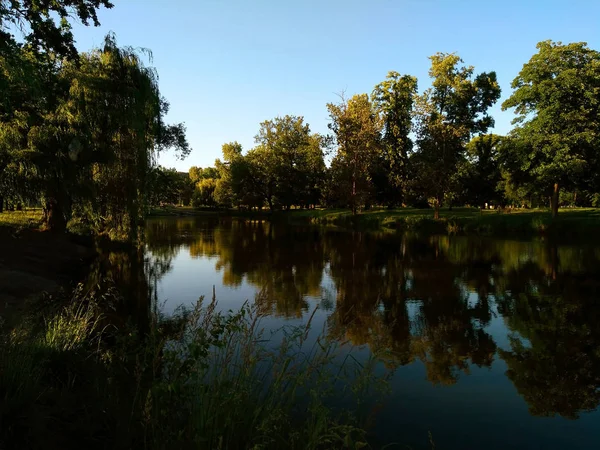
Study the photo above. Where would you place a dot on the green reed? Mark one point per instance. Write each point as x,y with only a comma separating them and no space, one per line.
200,379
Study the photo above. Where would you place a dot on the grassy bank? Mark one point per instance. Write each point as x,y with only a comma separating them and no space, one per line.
27,218
201,380
169,210
571,221
460,220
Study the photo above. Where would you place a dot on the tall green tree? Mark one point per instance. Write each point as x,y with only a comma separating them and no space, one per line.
260,177
204,194
34,37
357,129
235,186
18,102
394,98
79,132
312,191
518,184
98,140
198,173
558,125
482,173
449,114
165,186
286,155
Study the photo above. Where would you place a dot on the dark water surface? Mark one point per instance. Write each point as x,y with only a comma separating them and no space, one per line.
495,343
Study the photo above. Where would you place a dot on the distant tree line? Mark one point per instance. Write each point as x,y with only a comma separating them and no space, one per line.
80,135
397,147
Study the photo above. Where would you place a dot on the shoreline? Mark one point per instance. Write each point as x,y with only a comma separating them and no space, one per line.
34,263
464,221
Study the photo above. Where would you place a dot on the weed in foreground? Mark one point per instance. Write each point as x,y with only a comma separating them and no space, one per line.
200,379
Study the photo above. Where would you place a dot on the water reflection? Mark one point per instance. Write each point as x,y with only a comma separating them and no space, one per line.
431,299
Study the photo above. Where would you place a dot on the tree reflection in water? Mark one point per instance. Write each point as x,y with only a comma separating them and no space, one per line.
430,299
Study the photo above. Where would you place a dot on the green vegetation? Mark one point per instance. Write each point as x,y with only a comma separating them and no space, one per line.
200,379
449,115
27,218
458,220
397,148
555,144
572,222
79,133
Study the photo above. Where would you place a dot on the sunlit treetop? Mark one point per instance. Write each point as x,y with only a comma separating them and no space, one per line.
46,24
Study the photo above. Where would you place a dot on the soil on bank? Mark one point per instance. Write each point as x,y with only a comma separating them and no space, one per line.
33,262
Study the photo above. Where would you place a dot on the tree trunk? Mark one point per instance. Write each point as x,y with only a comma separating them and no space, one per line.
1,204
54,217
436,214
353,195
554,201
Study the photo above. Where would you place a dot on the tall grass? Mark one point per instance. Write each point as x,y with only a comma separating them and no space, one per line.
221,385
201,379
70,329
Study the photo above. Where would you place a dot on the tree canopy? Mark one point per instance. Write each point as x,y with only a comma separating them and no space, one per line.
35,20
80,134
399,147
556,140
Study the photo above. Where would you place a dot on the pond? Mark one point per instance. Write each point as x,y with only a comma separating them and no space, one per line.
493,343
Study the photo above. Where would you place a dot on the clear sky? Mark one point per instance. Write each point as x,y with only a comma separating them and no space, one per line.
227,65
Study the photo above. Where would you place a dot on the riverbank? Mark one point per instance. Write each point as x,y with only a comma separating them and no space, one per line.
33,262
571,221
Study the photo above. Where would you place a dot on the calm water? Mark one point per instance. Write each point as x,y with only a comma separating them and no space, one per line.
495,343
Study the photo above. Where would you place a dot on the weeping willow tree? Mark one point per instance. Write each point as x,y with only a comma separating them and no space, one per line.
35,36
92,143
29,92
114,104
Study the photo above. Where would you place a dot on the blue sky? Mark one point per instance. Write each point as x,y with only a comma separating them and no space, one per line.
225,66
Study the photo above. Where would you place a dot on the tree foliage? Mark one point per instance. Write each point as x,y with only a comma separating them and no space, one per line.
449,113
394,99
87,146
481,172
357,127
80,134
285,169
556,140
396,147
35,19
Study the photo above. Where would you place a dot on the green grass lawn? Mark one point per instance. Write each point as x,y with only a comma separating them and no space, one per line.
570,213
172,210
28,218
571,221
458,220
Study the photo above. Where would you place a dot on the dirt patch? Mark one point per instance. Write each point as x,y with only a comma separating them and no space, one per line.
33,262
